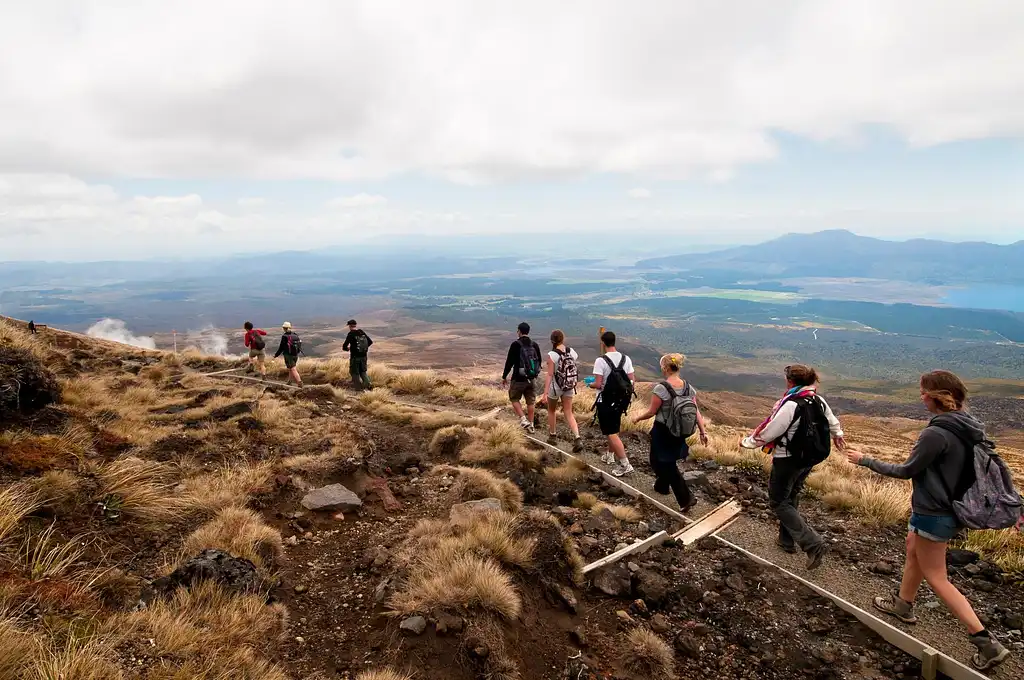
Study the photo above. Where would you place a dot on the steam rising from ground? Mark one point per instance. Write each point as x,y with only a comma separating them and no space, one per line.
117,330
210,341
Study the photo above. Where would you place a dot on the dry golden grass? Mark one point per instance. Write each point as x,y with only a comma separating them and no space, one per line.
335,369
13,336
494,534
472,395
465,583
59,489
624,513
44,557
85,392
85,658
586,500
382,674
273,413
139,488
381,375
208,626
499,441
570,471
1004,547
18,647
15,503
433,420
24,452
225,488
240,532
648,656
474,484
413,382
447,441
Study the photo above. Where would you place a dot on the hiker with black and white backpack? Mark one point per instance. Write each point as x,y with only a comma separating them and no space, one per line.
257,348
561,375
958,480
522,366
613,379
676,418
290,347
798,435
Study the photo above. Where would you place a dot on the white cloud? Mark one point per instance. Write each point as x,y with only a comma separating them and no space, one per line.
357,201
247,202
477,92
639,193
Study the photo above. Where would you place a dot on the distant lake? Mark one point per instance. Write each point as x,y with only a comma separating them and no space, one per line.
987,297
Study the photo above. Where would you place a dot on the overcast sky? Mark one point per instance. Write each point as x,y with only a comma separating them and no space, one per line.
144,128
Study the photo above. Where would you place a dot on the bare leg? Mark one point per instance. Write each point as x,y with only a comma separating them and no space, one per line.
570,417
293,373
530,411
552,426
912,574
616,446
931,557
518,408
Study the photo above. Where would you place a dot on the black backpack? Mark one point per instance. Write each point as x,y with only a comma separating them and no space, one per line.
529,360
361,344
256,341
294,344
617,390
812,441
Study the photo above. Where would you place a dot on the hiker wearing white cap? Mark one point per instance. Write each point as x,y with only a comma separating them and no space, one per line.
290,347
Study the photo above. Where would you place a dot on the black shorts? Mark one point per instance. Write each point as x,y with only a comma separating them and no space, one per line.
609,418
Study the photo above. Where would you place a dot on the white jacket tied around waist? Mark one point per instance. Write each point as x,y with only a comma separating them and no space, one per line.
784,424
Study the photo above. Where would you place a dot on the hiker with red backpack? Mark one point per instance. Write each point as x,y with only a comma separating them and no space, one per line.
291,348
798,435
560,377
257,348
522,366
613,379
676,418
958,481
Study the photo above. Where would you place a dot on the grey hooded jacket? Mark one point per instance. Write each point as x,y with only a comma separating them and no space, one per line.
936,463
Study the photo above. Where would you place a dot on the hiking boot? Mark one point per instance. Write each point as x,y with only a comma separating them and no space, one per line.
815,555
894,606
577,444
990,651
622,470
785,547
552,439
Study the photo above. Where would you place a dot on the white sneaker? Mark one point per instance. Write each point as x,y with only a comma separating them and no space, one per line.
529,428
524,423
621,470
608,458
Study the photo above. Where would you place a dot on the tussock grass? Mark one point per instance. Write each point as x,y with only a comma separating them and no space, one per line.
555,554
240,532
472,395
18,648
500,441
376,396
433,420
44,557
273,413
225,488
208,626
447,441
623,513
139,488
381,374
1003,547
473,484
465,583
382,674
570,471
15,503
18,338
494,534
586,500
648,656
24,452
58,489
335,369
413,382
79,658
85,392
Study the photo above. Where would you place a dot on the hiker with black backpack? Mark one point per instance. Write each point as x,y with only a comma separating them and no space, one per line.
560,378
958,481
257,348
357,343
676,418
522,365
613,379
291,348
798,435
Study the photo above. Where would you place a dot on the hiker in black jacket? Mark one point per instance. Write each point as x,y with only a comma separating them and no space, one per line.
357,342
290,347
523,363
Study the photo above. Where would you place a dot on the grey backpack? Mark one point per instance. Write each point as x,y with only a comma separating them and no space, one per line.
682,411
991,502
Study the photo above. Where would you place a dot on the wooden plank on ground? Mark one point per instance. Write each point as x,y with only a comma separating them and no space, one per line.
490,414
638,547
259,380
709,523
226,370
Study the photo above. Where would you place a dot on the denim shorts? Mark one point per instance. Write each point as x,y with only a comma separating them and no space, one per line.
940,529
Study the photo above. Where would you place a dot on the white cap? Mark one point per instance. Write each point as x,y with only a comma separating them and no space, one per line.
286,325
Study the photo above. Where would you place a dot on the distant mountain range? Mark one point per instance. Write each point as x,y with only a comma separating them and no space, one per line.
843,254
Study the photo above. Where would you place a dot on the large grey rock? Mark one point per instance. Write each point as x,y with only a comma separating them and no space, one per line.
604,520
652,587
613,580
414,625
331,497
462,512
696,478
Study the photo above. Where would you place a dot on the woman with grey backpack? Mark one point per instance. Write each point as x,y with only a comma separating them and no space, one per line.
676,418
958,481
